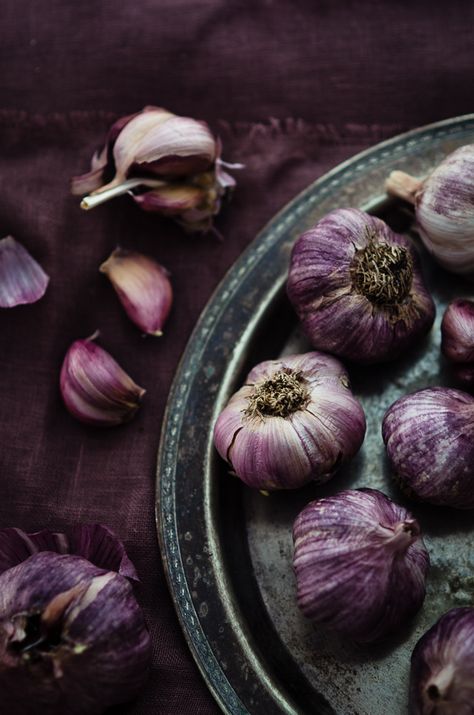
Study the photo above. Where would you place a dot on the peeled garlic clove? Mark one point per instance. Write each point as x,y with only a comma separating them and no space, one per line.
442,667
22,280
143,288
429,437
72,635
360,564
94,387
357,288
294,421
444,208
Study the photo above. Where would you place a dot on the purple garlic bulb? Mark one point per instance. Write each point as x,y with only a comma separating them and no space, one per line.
429,437
72,636
357,288
360,564
166,163
442,667
444,207
457,339
294,421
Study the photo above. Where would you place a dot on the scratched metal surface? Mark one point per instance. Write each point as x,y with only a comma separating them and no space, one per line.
227,550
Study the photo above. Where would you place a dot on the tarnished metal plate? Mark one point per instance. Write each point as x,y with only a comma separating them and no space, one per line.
227,550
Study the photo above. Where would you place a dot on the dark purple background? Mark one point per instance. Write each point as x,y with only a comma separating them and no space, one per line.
292,88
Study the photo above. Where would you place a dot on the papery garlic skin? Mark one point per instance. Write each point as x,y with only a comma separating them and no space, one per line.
72,638
444,208
442,667
360,564
168,164
22,280
357,288
95,389
143,288
457,339
429,437
294,421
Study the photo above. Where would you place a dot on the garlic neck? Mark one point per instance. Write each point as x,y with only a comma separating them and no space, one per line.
403,186
438,686
280,395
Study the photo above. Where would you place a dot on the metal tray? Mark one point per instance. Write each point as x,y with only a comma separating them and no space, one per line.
227,550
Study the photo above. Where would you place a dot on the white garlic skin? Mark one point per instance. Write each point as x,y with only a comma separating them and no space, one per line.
442,667
429,437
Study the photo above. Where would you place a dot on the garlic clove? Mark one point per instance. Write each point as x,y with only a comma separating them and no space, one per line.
429,438
171,199
95,389
442,667
294,421
443,207
22,280
360,564
143,288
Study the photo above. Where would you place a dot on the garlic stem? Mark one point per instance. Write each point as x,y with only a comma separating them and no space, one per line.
439,685
101,196
403,186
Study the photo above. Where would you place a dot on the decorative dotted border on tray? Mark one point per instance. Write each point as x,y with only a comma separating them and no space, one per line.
320,189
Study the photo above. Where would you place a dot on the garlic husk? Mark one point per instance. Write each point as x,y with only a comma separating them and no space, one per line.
22,280
442,667
429,437
444,211
360,564
72,636
294,421
457,333
95,389
94,542
161,160
143,287
357,288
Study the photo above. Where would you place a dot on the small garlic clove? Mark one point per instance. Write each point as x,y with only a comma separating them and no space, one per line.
171,199
95,389
143,288
22,280
429,438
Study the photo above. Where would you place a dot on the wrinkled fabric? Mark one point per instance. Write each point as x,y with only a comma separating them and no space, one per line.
332,79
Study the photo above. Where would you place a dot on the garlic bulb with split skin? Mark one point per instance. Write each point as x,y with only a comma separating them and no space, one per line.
429,437
294,421
442,667
360,564
357,288
166,163
444,208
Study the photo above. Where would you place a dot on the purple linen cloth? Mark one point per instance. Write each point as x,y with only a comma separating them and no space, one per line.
348,74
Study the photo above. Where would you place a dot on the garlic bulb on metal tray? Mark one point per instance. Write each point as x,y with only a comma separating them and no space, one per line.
444,208
429,437
457,339
442,667
360,564
294,421
357,288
